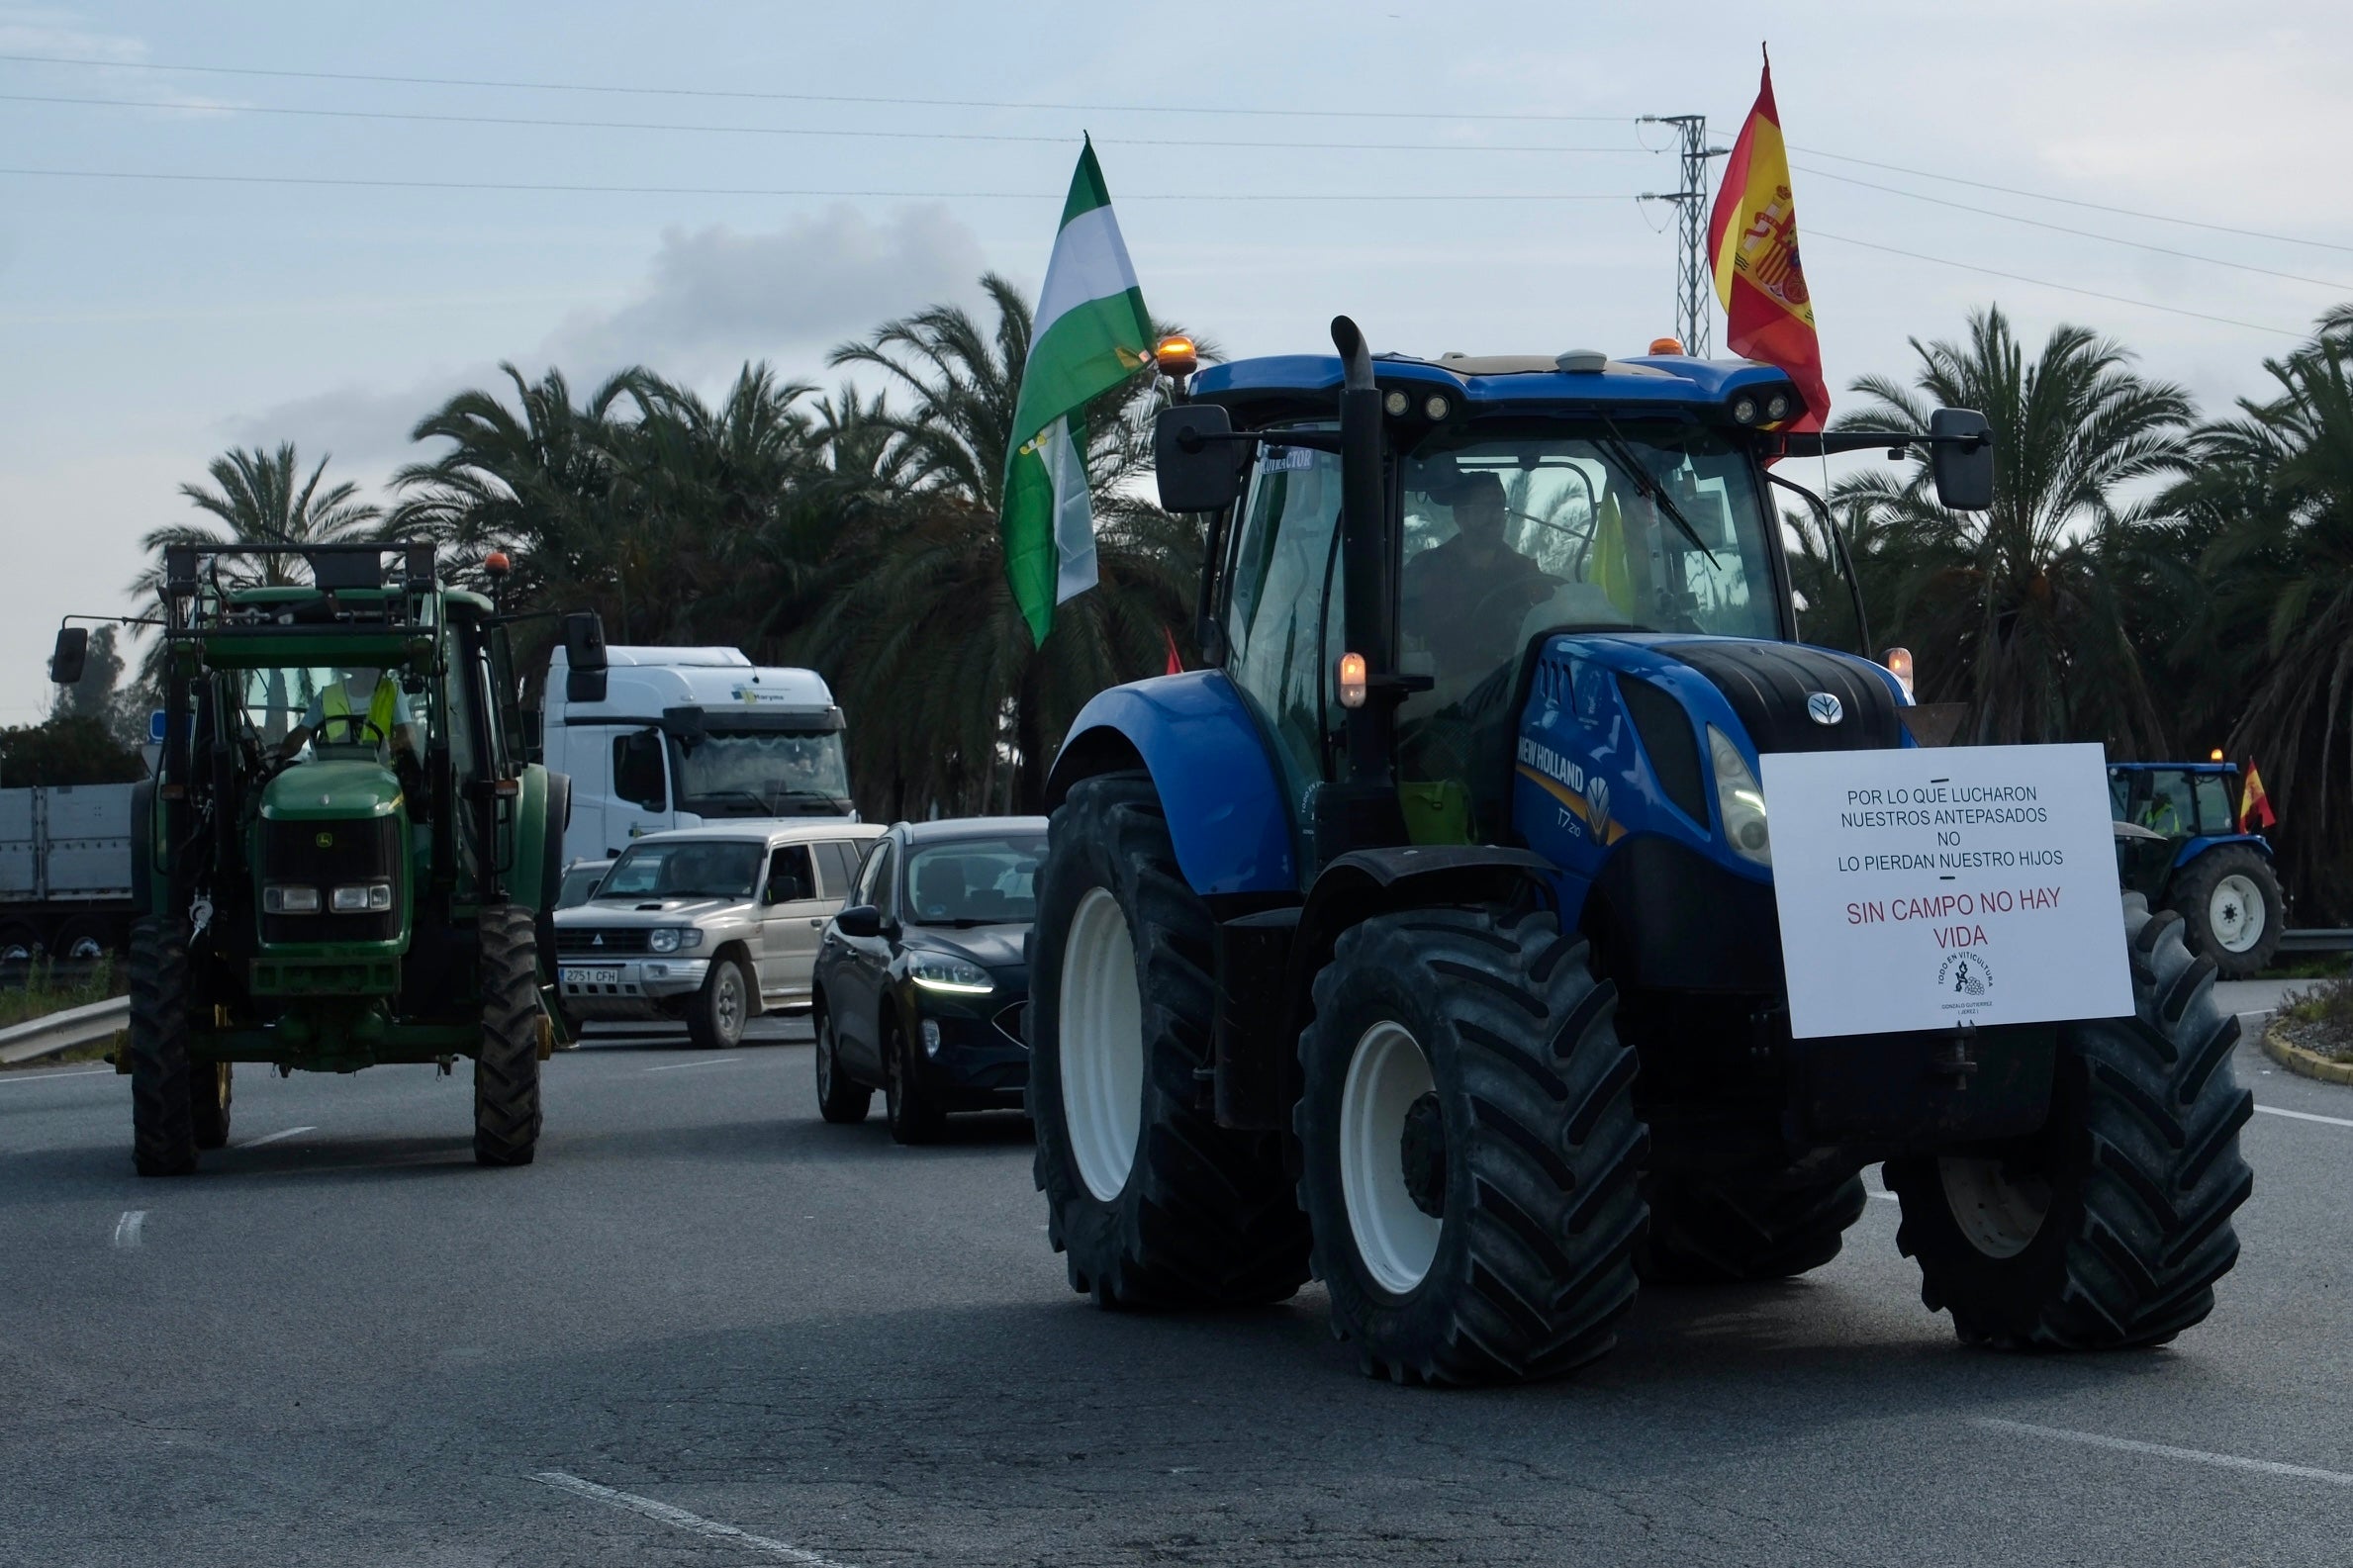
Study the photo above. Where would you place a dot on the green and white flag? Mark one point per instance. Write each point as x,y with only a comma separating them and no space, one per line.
1092,333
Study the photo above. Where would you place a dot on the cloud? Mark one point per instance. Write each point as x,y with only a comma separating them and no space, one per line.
716,295
365,428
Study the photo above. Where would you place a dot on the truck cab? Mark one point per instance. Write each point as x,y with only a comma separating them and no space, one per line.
690,737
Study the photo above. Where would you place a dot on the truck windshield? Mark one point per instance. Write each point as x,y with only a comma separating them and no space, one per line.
761,772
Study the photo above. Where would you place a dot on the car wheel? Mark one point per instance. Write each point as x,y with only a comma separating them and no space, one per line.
841,1099
914,1119
718,1013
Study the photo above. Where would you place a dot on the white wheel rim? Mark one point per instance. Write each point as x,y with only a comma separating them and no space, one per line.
1395,1240
2235,914
1998,1216
1100,1054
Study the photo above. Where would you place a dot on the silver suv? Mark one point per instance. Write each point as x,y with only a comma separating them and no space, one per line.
708,925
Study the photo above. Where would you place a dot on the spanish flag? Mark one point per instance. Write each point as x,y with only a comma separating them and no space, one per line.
2253,805
1753,234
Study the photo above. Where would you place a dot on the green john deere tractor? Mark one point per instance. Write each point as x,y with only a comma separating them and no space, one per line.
345,857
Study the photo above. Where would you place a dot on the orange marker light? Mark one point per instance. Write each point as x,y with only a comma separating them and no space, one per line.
496,563
1666,345
1177,356
1352,680
2216,755
1899,665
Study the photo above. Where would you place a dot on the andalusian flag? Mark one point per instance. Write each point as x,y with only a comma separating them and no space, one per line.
1090,335
1753,234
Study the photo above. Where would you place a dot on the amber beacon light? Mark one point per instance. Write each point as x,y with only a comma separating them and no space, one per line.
1176,356
1352,680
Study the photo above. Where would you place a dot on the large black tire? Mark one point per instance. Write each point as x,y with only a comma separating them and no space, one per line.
2110,1228
914,1118
716,1014
551,877
1516,1172
207,1103
1731,1231
2218,895
506,1070
162,1129
1191,1214
841,1099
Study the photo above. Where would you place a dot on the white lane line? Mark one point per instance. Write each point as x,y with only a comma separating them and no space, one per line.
126,1228
711,1062
710,1529
271,1137
2305,1116
2224,1461
50,1077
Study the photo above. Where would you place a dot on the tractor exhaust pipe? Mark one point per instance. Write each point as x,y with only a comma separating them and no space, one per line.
1365,555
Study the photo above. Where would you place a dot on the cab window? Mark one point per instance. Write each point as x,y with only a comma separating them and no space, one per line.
792,878
1283,610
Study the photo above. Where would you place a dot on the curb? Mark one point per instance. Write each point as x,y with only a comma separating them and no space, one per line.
2306,1064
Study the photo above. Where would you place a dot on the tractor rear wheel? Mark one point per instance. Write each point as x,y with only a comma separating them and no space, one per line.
2231,910
1731,1231
2107,1229
163,1126
1471,1154
207,1103
506,1069
1155,1204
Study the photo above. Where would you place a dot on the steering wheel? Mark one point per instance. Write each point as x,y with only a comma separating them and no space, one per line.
358,726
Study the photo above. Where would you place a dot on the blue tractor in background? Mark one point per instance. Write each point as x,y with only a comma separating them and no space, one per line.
2191,859
1426,940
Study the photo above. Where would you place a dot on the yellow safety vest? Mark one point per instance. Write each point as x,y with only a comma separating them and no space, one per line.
335,702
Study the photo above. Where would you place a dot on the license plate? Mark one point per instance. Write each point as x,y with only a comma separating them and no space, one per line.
591,976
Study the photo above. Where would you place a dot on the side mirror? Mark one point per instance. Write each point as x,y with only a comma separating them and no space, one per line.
864,921
71,653
1964,474
1198,466
584,657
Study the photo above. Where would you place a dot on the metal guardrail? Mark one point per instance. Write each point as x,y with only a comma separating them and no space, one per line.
2317,941
62,1030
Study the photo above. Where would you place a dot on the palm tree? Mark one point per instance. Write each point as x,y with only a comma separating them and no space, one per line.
2021,603
261,499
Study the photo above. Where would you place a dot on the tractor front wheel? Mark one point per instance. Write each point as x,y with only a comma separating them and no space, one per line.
506,1069
2229,902
1155,1204
1471,1154
162,1121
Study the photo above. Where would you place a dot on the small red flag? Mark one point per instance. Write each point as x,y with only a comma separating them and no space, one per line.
1175,659
2253,805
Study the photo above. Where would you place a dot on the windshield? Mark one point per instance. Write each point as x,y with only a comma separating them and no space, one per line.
333,706
975,881
761,772
686,869
580,883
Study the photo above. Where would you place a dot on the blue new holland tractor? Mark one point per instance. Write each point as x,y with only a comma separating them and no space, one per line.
1426,940
2189,856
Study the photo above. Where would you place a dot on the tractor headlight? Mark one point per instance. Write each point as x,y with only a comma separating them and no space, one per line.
1740,801
937,972
359,899
289,898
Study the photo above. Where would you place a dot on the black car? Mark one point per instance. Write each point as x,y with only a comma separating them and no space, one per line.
921,979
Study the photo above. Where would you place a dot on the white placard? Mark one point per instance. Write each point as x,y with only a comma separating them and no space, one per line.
1931,887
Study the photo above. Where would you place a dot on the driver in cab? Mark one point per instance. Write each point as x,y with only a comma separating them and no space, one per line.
360,706
1465,598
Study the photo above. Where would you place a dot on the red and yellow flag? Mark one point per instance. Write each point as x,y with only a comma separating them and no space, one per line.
2253,805
1753,234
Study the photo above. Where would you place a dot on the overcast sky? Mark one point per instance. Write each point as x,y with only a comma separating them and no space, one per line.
146,324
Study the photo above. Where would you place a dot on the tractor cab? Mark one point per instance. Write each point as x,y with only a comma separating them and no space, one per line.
2179,845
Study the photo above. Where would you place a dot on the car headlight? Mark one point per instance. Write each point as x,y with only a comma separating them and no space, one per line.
936,971
1740,801
289,898
672,939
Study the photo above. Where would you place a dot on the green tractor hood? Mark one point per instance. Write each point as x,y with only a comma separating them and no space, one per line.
333,789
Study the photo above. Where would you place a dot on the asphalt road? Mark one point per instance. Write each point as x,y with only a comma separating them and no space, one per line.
707,1328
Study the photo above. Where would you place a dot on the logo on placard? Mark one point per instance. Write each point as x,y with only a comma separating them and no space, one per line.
1823,708
1964,974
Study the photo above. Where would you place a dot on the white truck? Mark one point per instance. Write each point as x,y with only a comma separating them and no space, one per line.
684,737
64,872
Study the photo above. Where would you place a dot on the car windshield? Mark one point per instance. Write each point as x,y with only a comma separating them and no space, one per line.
580,883
976,882
686,869
761,772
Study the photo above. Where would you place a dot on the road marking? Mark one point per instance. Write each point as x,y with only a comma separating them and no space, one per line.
46,1078
271,1137
2224,1461
709,1062
678,1517
1888,1197
126,1228
2305,1116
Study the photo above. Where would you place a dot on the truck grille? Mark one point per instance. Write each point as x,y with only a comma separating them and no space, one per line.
585,942
366,850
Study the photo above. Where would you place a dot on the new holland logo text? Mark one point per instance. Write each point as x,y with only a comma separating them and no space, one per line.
1552,764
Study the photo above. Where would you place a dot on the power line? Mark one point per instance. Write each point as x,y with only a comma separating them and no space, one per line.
2085,233
777,130
741,190
2046,283
2070,201
803,98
